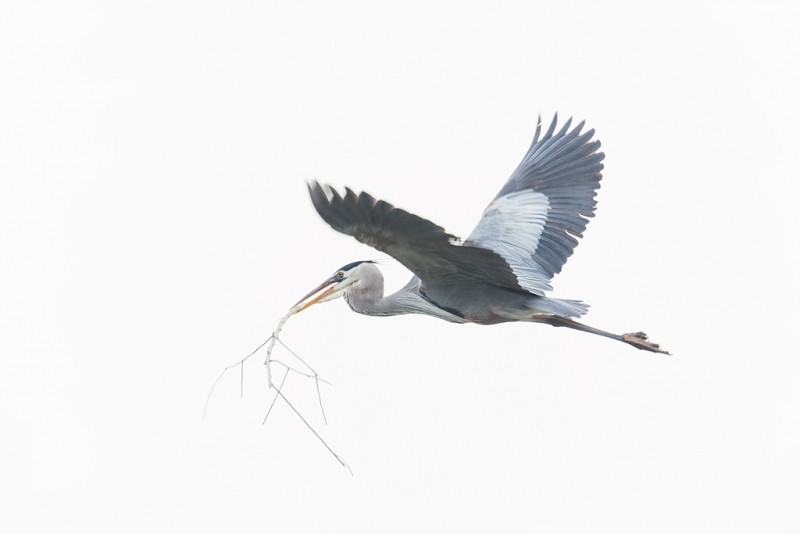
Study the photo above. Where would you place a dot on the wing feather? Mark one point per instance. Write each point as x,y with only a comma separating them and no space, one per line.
420,245
524,237
561,171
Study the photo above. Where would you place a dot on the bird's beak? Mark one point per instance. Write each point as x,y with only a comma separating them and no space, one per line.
329,287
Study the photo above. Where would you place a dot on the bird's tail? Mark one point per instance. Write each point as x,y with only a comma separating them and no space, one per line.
560,307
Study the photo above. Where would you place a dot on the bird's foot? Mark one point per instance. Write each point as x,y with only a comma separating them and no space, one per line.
639,340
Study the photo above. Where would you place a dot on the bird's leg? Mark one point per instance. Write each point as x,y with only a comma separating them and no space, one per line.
635,339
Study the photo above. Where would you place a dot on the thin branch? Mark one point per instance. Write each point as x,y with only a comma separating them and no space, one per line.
298,357
241,390
276,396
338,458
301,373
316,380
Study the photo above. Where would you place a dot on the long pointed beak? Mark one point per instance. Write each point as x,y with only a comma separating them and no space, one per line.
329,284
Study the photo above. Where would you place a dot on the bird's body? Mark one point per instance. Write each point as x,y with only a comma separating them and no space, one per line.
501,271
476,303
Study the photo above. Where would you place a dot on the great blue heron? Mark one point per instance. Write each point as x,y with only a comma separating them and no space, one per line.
501,271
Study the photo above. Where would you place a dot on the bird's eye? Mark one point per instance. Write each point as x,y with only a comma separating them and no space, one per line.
340,274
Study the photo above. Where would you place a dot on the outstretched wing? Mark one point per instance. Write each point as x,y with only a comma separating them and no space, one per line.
534,220
420,245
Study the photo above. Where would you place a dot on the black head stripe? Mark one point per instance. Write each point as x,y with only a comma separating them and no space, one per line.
354,264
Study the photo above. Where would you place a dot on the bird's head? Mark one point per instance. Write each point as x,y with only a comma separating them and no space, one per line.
335,286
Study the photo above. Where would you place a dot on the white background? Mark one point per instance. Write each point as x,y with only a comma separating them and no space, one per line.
155,225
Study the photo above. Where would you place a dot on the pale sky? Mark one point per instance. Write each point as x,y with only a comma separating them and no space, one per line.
155,225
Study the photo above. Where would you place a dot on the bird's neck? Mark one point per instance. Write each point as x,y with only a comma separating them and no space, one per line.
370,301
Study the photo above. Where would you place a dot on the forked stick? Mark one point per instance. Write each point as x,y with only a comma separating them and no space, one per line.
270,343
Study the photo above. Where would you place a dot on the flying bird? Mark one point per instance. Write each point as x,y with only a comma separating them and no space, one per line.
502,270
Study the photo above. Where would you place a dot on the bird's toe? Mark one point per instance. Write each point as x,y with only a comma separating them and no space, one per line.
639,340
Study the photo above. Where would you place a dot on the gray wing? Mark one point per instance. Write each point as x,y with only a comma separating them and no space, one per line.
534,220
420,245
